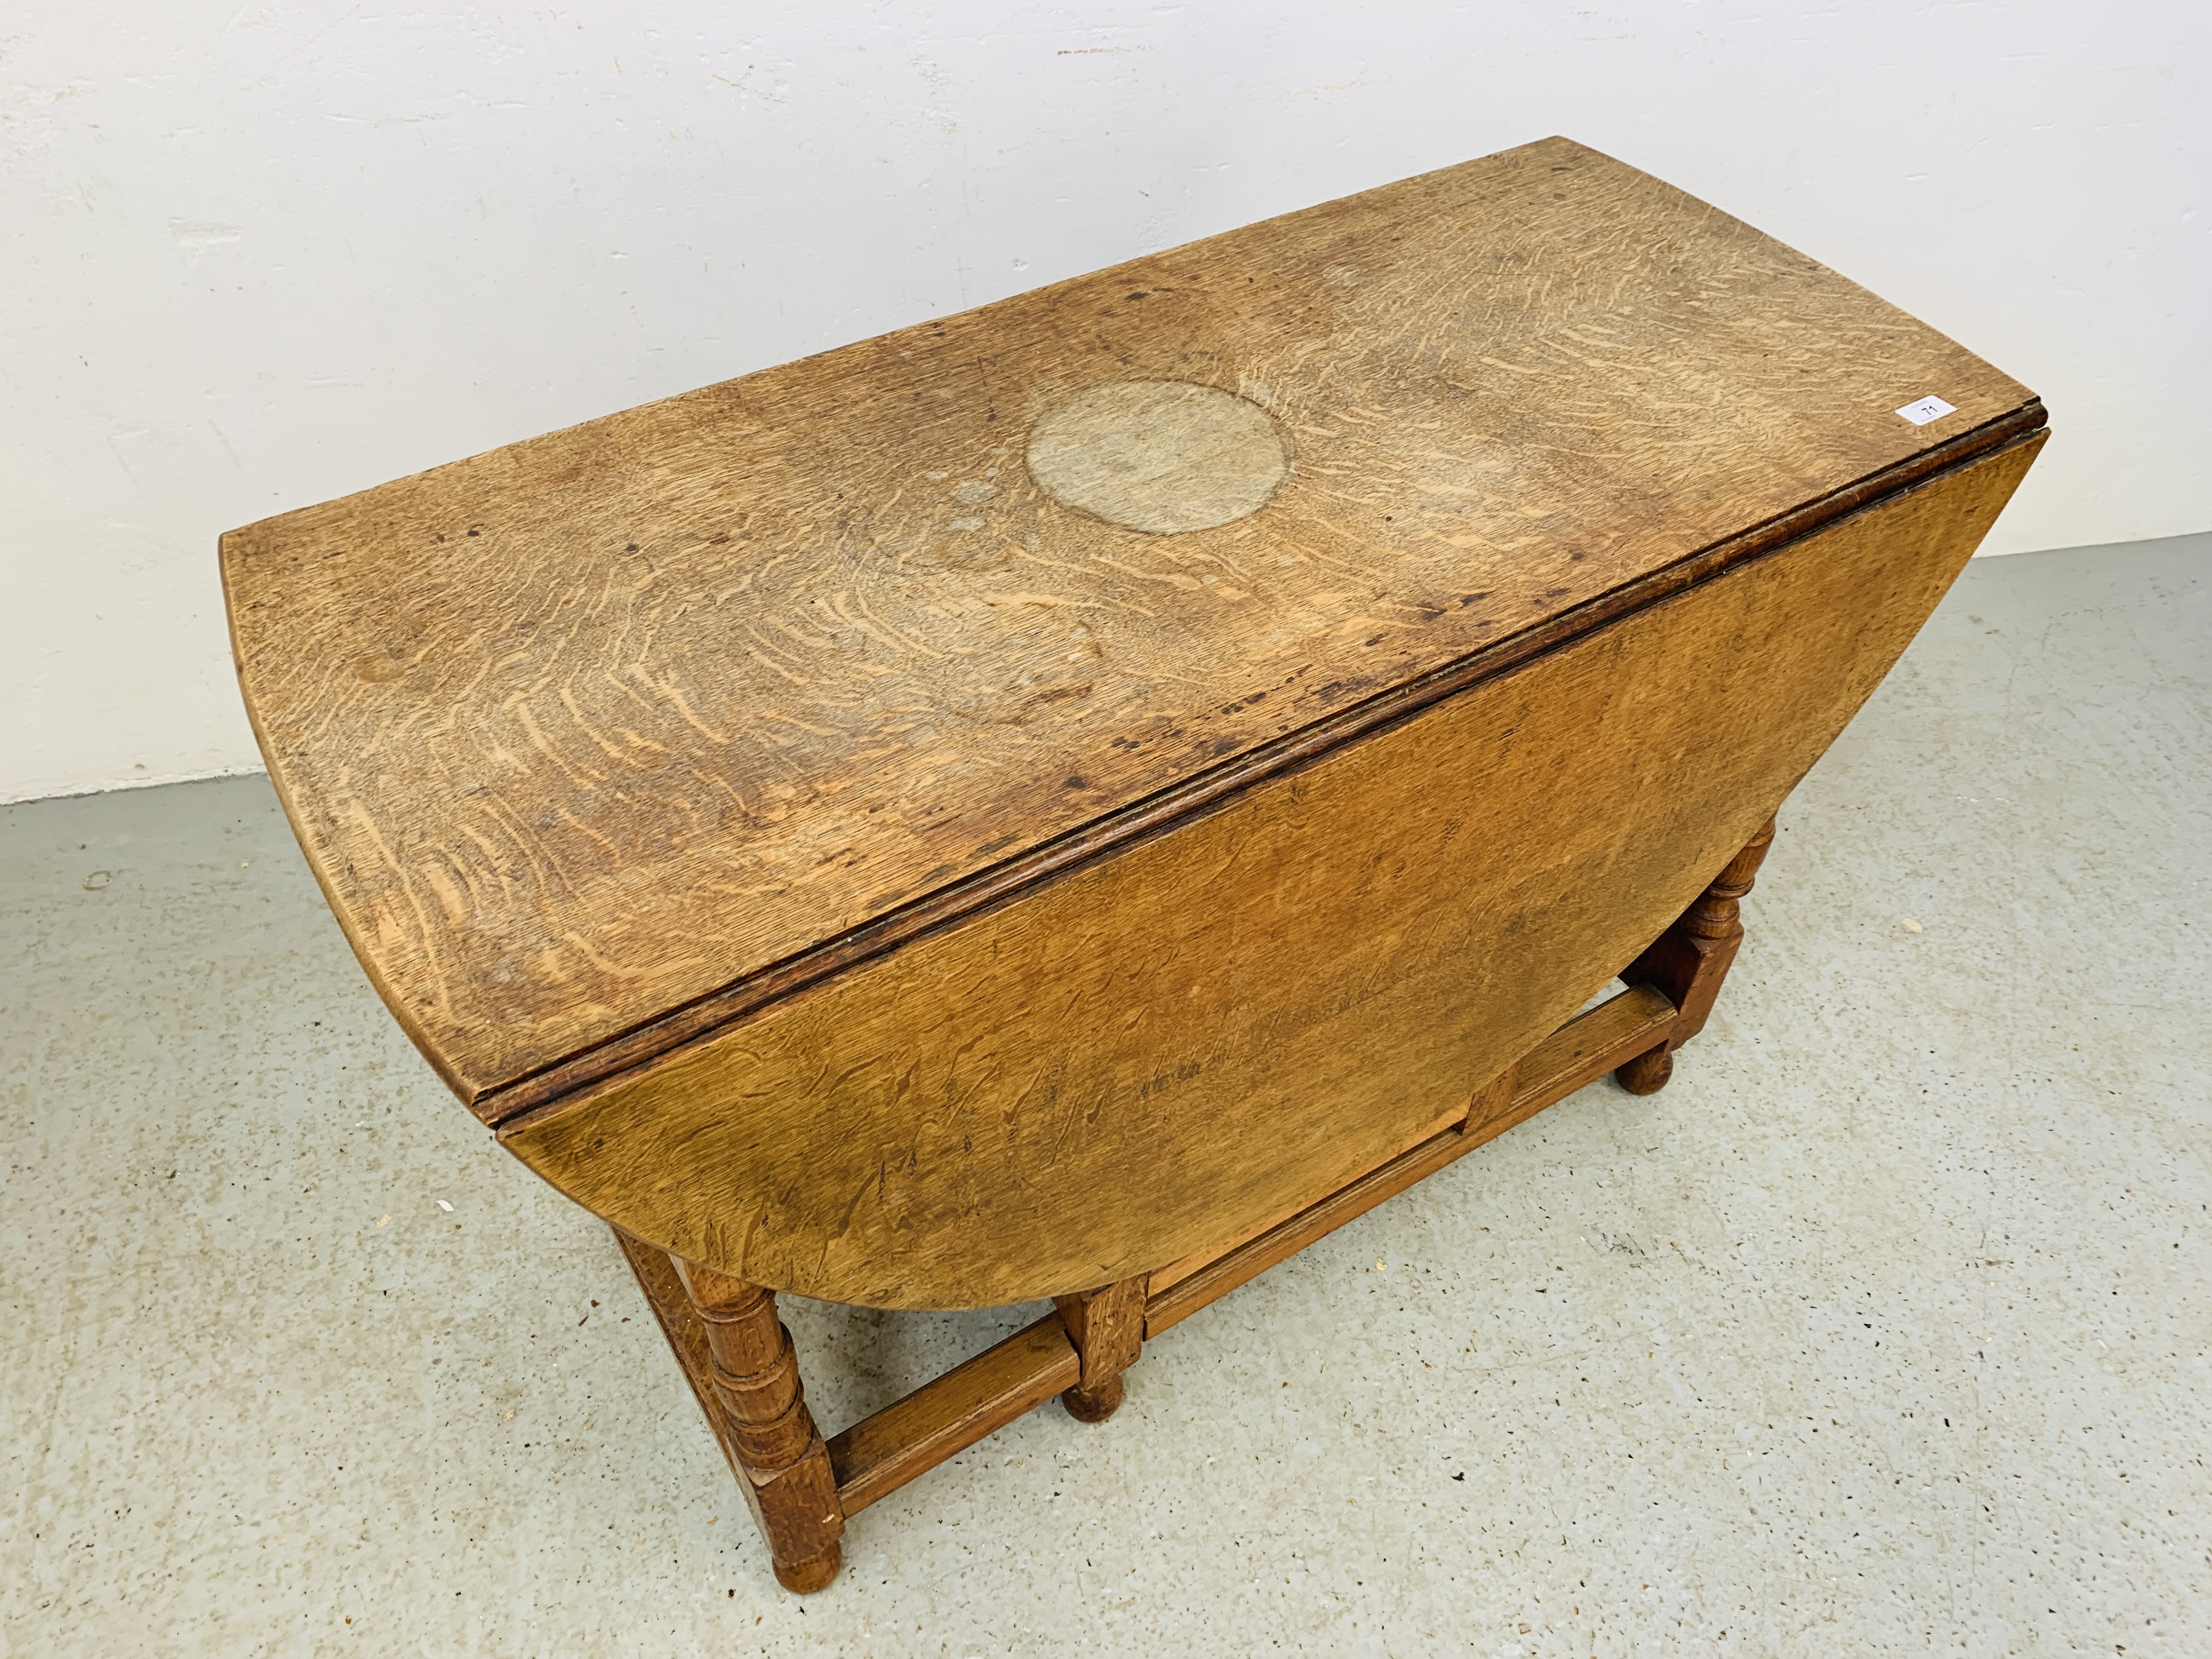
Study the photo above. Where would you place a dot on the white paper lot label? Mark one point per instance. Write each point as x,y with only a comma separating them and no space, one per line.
1927,409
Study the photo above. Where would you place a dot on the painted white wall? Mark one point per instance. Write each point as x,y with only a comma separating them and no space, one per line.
258,255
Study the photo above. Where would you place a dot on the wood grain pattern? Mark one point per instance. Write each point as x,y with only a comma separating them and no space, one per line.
1194,794
579,732
1266,1000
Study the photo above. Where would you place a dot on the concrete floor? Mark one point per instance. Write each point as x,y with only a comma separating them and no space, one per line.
1883,1330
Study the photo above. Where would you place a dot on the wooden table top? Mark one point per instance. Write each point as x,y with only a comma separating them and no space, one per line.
627,723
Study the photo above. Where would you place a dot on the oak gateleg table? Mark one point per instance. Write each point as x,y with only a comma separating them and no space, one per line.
1080,799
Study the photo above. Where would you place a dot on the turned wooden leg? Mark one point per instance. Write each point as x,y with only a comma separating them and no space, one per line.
783,1463
1689,961
1107,1327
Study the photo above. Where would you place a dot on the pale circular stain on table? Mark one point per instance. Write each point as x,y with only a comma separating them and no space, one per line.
1160,456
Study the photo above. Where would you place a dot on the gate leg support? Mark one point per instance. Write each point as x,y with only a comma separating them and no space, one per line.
1107,1327
783,1465
1689,961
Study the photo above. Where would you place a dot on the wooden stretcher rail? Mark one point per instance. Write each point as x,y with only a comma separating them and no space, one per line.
879,1455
